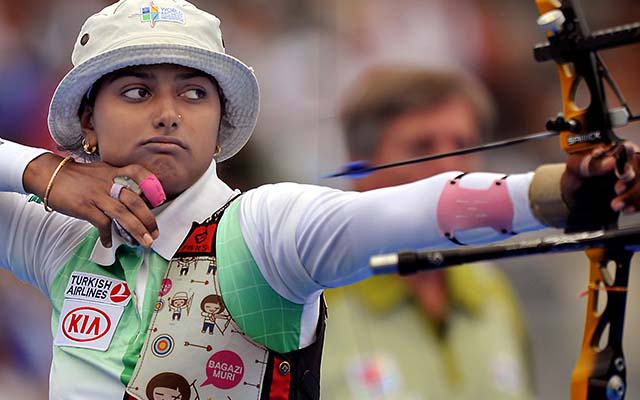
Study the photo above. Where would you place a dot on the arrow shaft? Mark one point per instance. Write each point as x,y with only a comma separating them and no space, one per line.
460,152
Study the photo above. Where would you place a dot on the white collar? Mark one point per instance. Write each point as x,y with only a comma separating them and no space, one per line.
174,218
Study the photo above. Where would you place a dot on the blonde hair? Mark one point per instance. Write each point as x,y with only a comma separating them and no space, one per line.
383,93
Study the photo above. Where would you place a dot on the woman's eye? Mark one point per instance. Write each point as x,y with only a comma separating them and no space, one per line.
194,94
136,93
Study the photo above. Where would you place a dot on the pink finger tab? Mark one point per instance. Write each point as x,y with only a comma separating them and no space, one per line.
153,191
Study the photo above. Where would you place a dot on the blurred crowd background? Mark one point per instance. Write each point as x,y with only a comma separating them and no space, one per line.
305,53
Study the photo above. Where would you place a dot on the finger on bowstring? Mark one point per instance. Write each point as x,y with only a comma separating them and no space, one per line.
141,210
121,192
115,210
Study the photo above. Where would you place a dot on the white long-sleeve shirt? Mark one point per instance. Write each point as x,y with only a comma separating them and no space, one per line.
304,238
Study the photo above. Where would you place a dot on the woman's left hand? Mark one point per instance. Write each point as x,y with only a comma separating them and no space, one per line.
600,162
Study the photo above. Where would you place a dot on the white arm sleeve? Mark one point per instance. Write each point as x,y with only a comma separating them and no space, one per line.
306,238
34,244
14,158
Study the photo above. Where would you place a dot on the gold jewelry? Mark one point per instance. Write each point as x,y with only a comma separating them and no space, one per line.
88,149
218,149
45,200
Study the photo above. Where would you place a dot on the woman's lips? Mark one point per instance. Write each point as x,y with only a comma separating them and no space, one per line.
162,143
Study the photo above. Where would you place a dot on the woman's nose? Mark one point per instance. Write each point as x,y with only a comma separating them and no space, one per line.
167,116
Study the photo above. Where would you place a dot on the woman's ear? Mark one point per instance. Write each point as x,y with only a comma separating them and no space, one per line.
86,124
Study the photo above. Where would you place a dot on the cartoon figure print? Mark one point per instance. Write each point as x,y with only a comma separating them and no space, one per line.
214,312
184,265
178,302
213,266
169,386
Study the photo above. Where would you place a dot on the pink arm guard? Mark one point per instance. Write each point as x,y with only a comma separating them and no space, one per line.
461,208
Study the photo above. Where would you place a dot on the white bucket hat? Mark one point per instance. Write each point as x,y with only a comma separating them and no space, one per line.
136,32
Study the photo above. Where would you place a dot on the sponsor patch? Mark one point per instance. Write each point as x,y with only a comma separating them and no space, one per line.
87,325
224,370
120,293
199,241
97,288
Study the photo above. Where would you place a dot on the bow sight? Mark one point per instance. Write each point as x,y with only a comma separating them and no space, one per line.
574,49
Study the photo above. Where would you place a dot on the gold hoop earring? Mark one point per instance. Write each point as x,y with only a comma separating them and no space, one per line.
88,149
218,149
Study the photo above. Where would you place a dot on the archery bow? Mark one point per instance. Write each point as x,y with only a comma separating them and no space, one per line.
601,371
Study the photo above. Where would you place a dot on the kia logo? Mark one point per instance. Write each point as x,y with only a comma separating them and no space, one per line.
86,324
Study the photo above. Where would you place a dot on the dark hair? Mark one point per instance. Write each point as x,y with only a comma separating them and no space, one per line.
383,93
172,381
213,298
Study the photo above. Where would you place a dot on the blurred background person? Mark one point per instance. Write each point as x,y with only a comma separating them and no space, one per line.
445,334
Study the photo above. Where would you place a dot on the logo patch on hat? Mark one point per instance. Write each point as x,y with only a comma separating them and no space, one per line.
154,13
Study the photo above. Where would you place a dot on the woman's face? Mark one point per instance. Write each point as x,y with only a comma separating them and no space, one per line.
163,117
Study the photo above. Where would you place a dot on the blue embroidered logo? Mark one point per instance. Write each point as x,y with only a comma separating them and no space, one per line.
150,14
154,13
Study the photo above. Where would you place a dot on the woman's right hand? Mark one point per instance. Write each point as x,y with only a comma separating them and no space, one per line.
84,191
